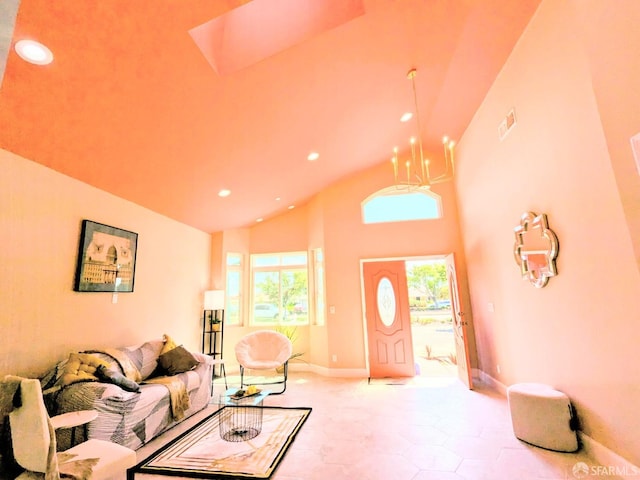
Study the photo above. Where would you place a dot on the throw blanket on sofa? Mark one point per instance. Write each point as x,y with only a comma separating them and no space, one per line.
128,367
178,396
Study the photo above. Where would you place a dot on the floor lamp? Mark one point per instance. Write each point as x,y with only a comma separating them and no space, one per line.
213,325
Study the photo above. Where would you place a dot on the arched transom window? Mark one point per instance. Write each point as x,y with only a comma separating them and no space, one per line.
393,205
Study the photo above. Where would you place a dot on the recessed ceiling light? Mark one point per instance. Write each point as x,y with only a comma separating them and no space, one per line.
313,156
291,207
259,219
224,193
406,117
34,52
277,199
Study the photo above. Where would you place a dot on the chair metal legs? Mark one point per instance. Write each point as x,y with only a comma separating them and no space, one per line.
283,382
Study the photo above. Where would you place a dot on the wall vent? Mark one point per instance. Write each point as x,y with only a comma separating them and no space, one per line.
507,124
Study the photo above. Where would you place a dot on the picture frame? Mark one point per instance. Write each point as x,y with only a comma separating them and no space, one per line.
106,259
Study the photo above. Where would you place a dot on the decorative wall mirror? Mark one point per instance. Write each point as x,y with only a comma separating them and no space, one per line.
536,249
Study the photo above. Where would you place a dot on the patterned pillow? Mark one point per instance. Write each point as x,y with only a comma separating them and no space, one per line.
145,356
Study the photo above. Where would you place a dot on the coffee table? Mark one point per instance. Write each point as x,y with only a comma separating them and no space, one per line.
201,453
241,419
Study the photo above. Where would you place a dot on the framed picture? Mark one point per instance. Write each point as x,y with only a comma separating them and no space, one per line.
106,259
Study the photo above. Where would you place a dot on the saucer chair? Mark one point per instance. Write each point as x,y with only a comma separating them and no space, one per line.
264,350
34,444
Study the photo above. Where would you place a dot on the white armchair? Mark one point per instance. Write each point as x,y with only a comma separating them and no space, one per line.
264,350
34,443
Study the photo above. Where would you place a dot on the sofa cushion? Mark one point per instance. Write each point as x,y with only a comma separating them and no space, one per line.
145,356
80,367
177,360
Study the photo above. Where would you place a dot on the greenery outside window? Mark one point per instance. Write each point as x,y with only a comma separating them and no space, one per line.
279,289
428,285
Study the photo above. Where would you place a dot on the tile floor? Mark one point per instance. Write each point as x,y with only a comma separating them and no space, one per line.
430,429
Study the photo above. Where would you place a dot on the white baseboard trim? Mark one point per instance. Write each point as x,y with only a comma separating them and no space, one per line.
324,371
335,372
299,367
608,462
490,381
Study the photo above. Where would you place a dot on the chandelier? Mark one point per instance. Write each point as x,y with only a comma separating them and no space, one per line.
416,172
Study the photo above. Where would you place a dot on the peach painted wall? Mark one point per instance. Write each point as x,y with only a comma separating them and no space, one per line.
217,260
230,241
615,75
284,233
332,220
580,333
318,334
348,241
41,318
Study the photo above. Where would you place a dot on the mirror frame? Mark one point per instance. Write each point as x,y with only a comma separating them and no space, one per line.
529,259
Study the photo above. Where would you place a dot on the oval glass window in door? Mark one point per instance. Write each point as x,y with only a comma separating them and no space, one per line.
386,302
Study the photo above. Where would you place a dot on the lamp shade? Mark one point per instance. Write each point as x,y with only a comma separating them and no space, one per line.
214,300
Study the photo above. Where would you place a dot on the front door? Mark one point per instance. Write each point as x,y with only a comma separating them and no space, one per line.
388,320
459,325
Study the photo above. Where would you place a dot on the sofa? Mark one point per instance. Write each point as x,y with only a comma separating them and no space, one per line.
138,392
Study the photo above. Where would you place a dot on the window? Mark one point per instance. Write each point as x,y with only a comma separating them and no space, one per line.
318,286
233,308
279,289
393,205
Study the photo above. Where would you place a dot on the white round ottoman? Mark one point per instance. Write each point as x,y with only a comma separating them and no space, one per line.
542,416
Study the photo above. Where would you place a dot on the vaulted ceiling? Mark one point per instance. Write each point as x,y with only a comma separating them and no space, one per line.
166,102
